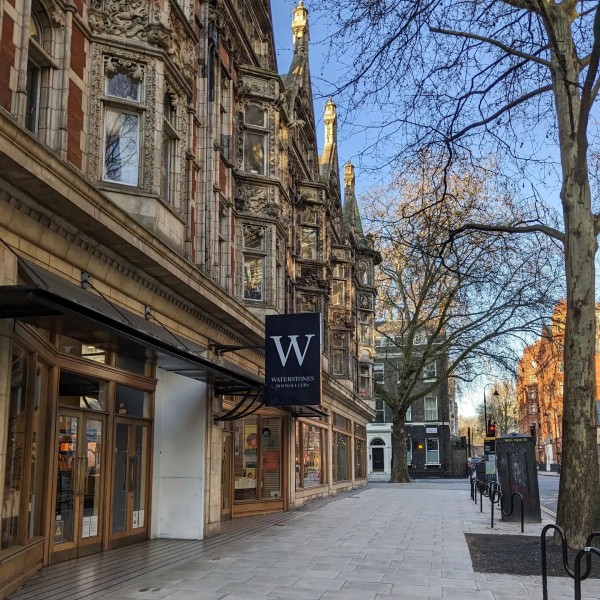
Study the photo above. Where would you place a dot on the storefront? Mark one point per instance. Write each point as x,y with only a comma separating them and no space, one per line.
106,422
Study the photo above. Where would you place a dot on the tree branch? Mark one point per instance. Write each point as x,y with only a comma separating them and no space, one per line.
587,93
499,113
545,229
493,42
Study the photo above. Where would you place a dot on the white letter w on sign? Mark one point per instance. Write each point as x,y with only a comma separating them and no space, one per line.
293,344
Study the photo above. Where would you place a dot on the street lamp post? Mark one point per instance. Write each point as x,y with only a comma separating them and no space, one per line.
487,429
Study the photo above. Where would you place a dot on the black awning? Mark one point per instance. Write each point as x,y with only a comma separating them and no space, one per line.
57,305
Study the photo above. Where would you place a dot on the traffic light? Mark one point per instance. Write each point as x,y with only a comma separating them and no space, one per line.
532,430
492,430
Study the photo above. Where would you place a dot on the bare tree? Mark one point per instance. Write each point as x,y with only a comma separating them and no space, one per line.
444,313
513,79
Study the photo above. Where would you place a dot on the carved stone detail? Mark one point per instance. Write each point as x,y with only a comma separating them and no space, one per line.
342,318
365,301
57,17
181,49
126,17
256,86
340,254
256,199
223,22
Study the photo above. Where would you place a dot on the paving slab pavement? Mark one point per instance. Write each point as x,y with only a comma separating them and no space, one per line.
382,542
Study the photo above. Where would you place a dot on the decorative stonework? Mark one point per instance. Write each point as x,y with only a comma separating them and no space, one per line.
340,254
311,276
112,64
132,19
57,17
253,86
128,18
181,49
223,21
365,301
255,199
342,318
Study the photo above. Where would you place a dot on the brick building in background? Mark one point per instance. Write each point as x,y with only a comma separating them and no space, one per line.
540,386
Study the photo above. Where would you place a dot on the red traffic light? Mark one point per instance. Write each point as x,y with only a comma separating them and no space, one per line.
492,430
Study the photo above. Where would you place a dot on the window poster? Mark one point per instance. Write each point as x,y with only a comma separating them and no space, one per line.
93,526
250,445
271,461
85,527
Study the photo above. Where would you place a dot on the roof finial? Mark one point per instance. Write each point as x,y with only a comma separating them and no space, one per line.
300,23
330,120
349,175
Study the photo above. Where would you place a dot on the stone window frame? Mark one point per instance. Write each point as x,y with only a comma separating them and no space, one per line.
339,278
40,56
178,130
134,61
122,105
339,348
266,253
255,129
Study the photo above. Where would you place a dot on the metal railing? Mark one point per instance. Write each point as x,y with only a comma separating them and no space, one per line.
491,489
576,572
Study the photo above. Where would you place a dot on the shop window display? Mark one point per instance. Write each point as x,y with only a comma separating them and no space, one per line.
257,459
309,455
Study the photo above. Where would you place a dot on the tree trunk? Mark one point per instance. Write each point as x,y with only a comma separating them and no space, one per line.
399,463
579,494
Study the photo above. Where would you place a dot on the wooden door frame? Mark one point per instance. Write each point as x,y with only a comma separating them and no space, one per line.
77,547
125,538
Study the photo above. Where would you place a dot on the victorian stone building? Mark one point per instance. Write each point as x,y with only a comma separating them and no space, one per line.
161,192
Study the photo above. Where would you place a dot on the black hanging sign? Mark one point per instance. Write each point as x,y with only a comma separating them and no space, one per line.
293,359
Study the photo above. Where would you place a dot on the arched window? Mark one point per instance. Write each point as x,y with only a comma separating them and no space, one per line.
39,68
377,442
34,76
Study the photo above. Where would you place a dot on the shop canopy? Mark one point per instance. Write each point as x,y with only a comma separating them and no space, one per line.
59,306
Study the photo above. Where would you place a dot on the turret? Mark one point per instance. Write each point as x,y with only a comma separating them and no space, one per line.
300,25
330,120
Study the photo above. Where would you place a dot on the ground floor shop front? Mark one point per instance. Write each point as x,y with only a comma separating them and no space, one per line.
103,450
275,460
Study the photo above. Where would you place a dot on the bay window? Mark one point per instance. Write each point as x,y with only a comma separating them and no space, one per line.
170,141
339,353
254,262
122,125
309,243
255,140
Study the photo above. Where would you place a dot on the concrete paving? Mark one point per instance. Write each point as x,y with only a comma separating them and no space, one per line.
386,541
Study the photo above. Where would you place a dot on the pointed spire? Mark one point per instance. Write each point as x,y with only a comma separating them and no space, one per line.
351,214
300,24
330,120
